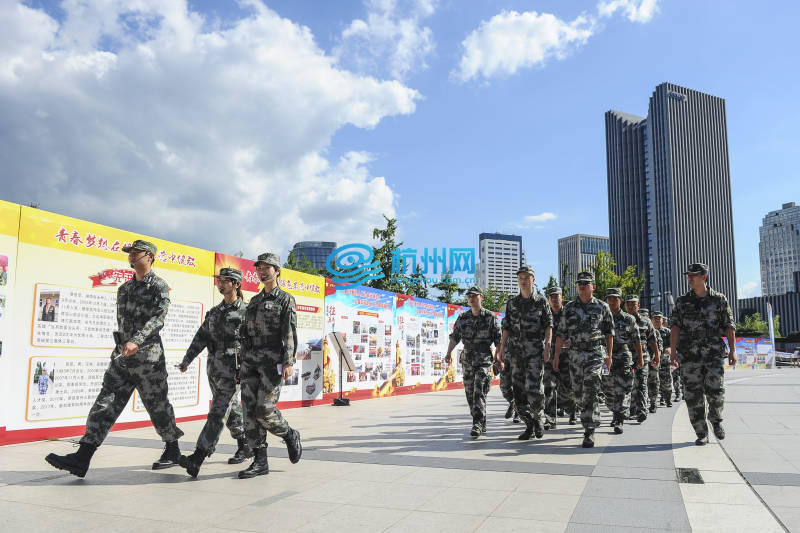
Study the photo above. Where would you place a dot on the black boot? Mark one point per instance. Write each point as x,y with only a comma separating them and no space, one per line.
661,401
653,407
537,428
75,463
669,402
572,419
516,418
476,430
526,435
259,467
192,462
510,410
170,457
719,432
244,452
588,438
617,424
641,417
293,446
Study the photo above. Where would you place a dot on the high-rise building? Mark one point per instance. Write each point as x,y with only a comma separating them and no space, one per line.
779,249
316,252
669,193
500,258
578,253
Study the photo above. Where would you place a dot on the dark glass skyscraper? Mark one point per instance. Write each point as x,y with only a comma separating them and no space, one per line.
669,192
316,252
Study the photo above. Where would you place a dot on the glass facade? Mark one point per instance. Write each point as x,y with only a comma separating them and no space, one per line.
316,252
779,250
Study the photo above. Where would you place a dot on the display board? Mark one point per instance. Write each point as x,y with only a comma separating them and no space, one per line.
9,228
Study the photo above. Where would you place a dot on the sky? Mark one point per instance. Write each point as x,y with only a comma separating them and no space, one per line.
248,126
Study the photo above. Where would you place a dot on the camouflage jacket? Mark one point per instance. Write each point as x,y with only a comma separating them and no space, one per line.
647,335
702,322
626,336
141,310
526,320
586,325
269,331
477,333
556,320
220,334
664,334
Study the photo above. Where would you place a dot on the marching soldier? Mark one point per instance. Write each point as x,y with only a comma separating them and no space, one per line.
648,339
665,366
620,376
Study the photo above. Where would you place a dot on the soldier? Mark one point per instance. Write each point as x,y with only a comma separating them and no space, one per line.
653,376
137,362
648,338
527,331
478,330
665,366
566,402
269,343
220,334
555,386
588,324
626,334
700,318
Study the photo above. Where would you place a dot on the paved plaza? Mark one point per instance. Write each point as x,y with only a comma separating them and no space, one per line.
407,463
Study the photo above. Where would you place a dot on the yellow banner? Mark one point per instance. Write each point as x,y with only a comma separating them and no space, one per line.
302,284
9,218
80,236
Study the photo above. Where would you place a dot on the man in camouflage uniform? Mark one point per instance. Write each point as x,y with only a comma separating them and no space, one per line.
665,366
137,362
588,324
620,376
649,342
565,400
700,318
478,330
527,332
219,333
555,386
653,376
269,343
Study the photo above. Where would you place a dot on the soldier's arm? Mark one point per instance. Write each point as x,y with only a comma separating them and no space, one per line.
156,322
289,332
497,337
674,336
548,341
199,343
559,345
455,338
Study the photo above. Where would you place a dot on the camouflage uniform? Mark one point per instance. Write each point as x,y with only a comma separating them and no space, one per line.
505,383
701,353
269,341
141,310
526,320
653,377
477,333
586,325
620,383
647,334
665,368
677,383
220,334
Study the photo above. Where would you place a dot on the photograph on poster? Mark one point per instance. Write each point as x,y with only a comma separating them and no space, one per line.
48,306
3,270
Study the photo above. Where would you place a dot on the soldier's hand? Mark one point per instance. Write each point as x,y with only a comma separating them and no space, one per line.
674,361
182,367
640,363
732,357
555,363
447,359
608,363
546,355
500,364
288,370
236,377
129,349
567,344
656,361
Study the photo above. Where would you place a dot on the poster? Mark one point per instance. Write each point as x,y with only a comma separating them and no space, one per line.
9,227
306,382
752,353
423,335
68,272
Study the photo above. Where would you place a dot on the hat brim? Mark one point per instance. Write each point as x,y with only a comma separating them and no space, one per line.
127,249
690,272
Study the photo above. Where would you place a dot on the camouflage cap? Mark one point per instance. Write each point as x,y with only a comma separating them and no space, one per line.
585,277
614,292
142,246
232,273
475,290
632,298
658,314
525,269
554,290
697,268
269,259
644,312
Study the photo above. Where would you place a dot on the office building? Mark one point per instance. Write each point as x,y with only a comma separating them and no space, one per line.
779,249
500,258
316,252
578,253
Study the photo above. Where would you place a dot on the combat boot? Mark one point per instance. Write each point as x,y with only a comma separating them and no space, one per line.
293,446
617,424
653,406
588,438
483,427
170,457
718,431
244,452
641,417
476,430
526,435
192,462
669,402
560,412
661,401
702,440
572,419
516,418
510,411
259,466
537,428
75,463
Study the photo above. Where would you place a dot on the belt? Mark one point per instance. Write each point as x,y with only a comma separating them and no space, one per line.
585,346
703,333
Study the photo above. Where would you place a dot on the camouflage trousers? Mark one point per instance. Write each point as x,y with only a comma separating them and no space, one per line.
653,383
224,404
639,392
587,385
505,381
526,377
261,388
704,381
618,385
550,380
665,376
150,380
565,398
677,383
477,382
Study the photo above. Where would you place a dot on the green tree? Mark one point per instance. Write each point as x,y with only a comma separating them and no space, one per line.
565,275
755,326
417,285
494,299
384,254
300,264
450,290
606,278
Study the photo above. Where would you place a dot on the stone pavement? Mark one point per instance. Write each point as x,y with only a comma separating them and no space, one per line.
407,463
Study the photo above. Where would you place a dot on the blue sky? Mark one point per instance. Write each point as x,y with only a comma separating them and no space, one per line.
451,150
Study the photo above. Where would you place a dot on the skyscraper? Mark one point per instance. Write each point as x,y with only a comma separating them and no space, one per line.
779,249
316,252
578,253
500,258
669,192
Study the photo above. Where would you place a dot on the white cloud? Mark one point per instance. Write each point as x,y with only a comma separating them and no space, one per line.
147,116
510,41
541,217
749,289
636,10
391,40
